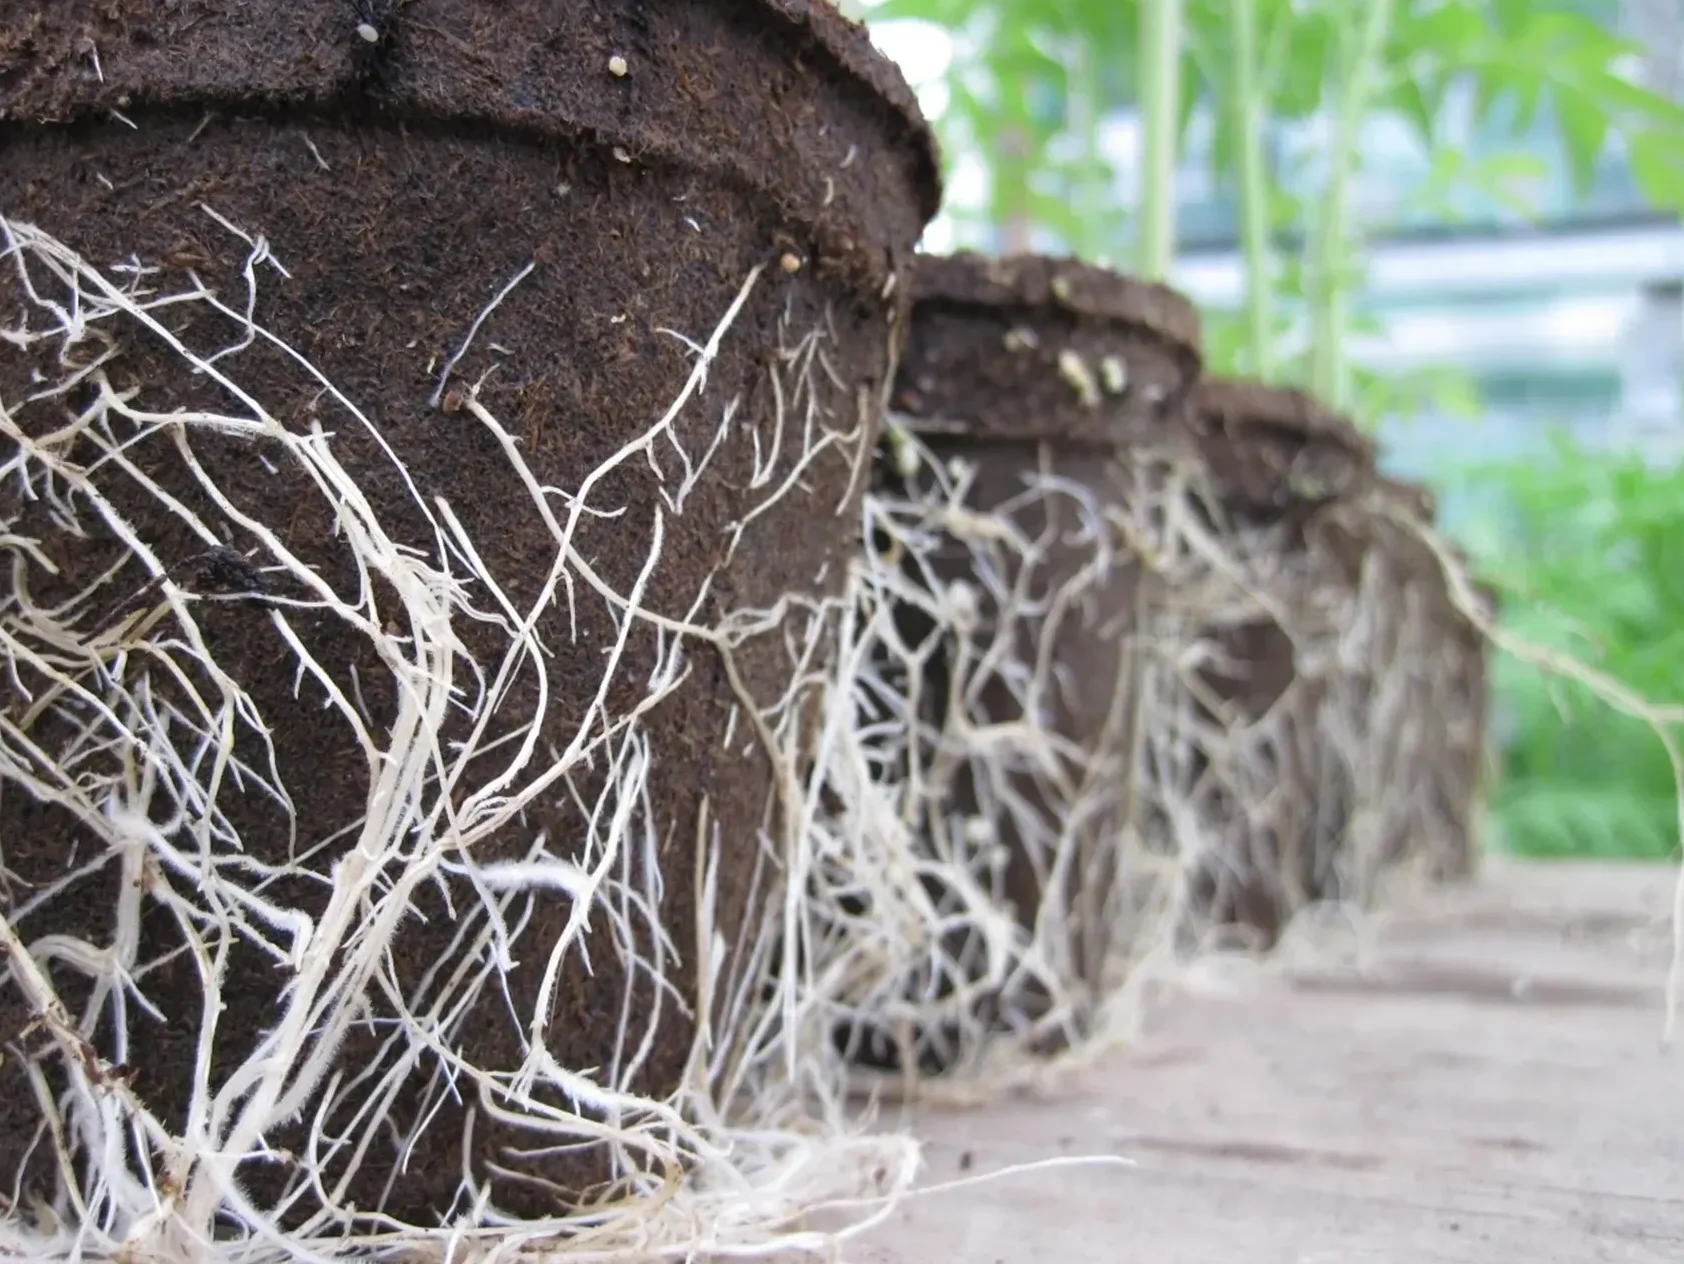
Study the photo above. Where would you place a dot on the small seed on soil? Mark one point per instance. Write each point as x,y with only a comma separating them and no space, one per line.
1076,374
368,33
1021,339
1114,373
1061,289
621,154
790,263
617,66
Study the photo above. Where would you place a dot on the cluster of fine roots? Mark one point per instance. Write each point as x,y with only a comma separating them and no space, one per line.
1005,887
1405,710
1345,757
1292,714
947,879
120,718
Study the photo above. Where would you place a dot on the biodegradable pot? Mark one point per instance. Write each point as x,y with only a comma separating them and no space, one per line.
1031,366
1461,785
1276,460
1442,654
405,161
1456,767
1455,770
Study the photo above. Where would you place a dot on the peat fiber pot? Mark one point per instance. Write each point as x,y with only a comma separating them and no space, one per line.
1032,451
1414,708
1276,806
433,438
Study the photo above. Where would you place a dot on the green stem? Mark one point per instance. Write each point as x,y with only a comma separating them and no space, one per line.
1254,191
1160,102
1328,376
1090,185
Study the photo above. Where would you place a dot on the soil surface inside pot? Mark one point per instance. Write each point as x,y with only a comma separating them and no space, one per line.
402,182
1273,450
1031,368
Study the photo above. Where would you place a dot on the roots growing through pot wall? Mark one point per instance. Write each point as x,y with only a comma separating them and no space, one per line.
1404,707
1347,770
121,719
1271,746
1326,719
1272,817
1002,890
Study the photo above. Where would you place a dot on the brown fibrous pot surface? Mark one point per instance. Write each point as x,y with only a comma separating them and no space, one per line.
1019,348
1271,447
1447,669
1275,457
1027,367
1282,462
401,182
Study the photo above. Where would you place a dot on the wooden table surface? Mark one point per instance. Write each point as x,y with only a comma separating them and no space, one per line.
1485,1081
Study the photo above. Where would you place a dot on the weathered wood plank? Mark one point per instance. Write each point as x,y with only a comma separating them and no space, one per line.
1488,1085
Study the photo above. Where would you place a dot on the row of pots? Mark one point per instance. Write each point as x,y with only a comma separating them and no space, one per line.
1285,781
521,231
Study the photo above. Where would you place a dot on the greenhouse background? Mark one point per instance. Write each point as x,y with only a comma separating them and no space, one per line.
1522,305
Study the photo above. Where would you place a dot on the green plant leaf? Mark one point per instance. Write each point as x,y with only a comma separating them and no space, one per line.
1512,15
1420,101
949,13
1584,131
1657,164
1300,85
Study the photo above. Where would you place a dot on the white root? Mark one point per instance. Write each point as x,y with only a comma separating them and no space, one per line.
724,1166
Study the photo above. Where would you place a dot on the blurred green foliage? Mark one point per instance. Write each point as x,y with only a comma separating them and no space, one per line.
1033,78
1034,72
1589,553
1590,560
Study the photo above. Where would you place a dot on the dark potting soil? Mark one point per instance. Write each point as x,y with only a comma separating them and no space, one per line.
402,182
1271,450
1031,366
989,353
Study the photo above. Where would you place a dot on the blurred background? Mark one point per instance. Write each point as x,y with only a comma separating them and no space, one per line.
1501,183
